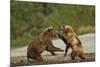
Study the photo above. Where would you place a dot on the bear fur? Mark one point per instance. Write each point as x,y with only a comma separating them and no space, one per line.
72,41
41,43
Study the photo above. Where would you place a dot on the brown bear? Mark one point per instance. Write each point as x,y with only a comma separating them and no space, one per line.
72,41
63,38
41,43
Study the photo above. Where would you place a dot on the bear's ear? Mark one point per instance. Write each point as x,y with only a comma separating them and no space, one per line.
50,28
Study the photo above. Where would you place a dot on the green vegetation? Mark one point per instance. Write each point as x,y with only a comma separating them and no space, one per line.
28,19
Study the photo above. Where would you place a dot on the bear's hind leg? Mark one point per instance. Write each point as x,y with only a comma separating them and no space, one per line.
38,58
73,55
82,56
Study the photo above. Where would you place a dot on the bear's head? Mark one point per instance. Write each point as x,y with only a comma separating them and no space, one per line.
49,32
66,29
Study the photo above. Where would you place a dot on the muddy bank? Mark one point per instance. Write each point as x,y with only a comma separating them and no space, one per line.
49,59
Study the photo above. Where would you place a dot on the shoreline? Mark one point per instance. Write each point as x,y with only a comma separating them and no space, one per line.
22,60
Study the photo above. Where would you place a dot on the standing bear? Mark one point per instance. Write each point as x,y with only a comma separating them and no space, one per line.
41,43
72,41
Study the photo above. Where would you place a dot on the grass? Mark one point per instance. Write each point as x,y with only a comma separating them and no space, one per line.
22,41
86,29
25,39
28,19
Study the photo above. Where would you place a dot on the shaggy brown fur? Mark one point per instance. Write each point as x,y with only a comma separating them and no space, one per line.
41,43
72,41
63,38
